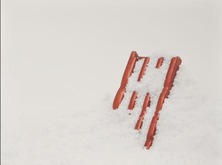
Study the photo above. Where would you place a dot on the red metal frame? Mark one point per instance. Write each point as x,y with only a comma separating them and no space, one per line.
174,66
168,83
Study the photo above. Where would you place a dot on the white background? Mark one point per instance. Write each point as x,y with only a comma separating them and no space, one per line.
67,55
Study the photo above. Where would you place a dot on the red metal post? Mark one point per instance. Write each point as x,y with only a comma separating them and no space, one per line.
132,101
128,71
143,69
159,62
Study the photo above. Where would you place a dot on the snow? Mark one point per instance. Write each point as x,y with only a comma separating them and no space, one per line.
188,132
62,62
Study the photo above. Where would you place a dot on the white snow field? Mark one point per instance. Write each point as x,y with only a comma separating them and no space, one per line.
189,131
62,63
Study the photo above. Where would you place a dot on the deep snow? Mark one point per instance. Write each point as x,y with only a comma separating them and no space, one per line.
189,132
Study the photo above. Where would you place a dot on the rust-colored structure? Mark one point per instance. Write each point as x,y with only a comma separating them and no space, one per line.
128,71
168,84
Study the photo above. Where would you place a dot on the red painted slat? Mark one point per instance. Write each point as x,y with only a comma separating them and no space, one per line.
146,103
128,71
159,62
132,101
143,69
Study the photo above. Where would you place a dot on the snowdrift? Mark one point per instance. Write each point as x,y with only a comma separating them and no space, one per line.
189,130
167,84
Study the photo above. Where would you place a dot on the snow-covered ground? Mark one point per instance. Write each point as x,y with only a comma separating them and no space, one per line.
189,132
62,63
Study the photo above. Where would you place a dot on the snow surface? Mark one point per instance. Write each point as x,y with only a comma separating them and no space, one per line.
189,132
62,62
